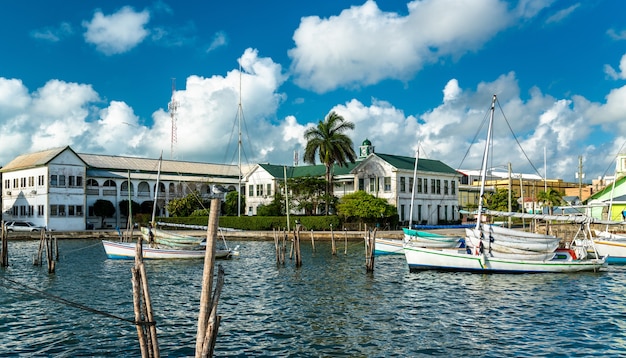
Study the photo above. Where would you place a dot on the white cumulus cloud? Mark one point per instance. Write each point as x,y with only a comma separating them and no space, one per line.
117,33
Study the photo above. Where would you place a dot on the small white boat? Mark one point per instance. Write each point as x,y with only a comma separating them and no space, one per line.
126,251
419,259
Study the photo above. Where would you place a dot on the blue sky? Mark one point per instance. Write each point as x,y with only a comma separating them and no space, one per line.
99,78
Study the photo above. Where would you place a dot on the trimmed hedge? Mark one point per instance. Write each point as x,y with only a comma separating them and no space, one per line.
261,223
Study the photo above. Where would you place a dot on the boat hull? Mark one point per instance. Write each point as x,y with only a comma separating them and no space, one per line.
169,238
420,259
512,239
615,250
126,251
611,245
388,247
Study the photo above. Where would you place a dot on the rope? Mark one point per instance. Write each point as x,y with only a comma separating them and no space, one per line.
83,248
28,290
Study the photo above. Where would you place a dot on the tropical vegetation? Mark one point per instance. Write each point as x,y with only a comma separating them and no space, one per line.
328,142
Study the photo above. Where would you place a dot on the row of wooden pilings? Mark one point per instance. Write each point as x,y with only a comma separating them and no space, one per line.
281,238
47,242
208,319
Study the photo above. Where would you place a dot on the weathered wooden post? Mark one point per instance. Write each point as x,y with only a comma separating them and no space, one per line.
276,246
345,241
312,241
296,240
370,243
4,258
208,320
332,240
144,318
56,249
37,260
49,253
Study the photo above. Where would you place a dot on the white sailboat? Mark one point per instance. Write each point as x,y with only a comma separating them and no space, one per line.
161,244
482,258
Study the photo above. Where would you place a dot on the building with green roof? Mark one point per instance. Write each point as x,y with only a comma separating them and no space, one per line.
385,176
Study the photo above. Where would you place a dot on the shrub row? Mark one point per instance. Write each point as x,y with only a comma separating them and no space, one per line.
259,223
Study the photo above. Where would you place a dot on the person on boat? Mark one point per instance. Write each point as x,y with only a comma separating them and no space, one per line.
150,233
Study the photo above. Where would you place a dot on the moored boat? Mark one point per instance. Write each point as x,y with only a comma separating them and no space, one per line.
126,251
480,257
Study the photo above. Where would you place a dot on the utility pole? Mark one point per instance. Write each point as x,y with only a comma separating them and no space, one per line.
580,175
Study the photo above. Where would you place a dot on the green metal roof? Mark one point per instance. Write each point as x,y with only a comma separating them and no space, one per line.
423,165
278,171
397,161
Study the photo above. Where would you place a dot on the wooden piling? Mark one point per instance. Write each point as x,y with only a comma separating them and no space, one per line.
312,241
332,239
296,240
142,306
49,253
208,320
37,260
370,243
4,257
345,241
276,246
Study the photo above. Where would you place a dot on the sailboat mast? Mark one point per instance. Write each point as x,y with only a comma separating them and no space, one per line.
239,115
156,192
417,155
483,170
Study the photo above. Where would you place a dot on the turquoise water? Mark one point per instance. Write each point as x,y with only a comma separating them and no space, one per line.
330,307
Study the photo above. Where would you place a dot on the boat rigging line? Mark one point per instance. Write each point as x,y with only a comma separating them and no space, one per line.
18,286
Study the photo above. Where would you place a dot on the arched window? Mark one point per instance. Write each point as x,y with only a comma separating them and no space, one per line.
124,188
109,188
143,189
92,187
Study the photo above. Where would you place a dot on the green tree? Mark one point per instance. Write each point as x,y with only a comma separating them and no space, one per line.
499,201
135,207
231,203
275,208
146,207
103,209
328,142
306,193
364,207
186,205
550,198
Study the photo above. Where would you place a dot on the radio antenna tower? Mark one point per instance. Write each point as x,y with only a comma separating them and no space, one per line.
173,108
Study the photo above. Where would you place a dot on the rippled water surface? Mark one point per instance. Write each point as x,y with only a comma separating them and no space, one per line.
328,307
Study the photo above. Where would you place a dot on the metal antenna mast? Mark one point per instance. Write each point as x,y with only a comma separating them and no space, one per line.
173,107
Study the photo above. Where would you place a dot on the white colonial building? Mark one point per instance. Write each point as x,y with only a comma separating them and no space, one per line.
383,175
57,188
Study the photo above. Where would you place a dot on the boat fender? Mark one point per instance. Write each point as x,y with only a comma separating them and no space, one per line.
480,249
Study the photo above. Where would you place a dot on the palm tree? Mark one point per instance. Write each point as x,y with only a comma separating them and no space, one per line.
551,197
328,139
